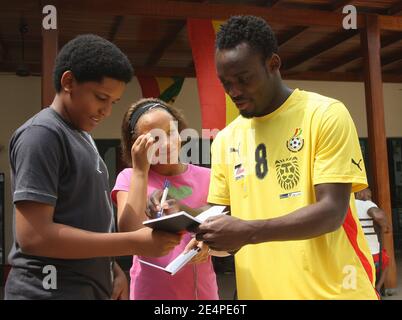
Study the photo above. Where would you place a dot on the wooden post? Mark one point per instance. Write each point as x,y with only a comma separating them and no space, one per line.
371,45
49,51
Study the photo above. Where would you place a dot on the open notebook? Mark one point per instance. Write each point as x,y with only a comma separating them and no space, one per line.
178,222
178,263
182,221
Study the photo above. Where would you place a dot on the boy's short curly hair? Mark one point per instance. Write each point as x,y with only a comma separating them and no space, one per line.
128,137
91,58
250,29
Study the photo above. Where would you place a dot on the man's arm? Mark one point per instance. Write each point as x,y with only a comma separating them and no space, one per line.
380,218
326,215
37,234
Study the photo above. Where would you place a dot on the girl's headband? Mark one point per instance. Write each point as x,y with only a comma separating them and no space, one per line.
136,115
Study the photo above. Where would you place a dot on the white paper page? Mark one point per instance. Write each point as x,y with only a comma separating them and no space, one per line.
152,265
181,260
211,212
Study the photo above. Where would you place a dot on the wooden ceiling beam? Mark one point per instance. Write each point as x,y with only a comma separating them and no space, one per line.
189,72
357,54
171,35
268,3
336,76
338,4
395,57
178,10
298,30
117,22
385,61
3,50
183,10
317,49
290,35
395,9
157,53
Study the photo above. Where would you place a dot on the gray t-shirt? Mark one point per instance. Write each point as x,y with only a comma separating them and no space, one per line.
55,164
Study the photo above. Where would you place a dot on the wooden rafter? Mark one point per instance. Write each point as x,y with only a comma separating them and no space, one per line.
395,57
177,10
298,30
316,50
189,72
356,54
291,34
3,50
268,3
336,76
338,4
117,22
157,53
183,10
395,9
385,61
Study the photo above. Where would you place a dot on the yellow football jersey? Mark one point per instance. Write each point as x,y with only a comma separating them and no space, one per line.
267,167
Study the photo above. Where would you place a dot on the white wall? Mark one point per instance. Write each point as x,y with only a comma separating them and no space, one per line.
20,99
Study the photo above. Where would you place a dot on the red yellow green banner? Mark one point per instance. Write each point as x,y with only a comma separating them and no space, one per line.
217,109
164,88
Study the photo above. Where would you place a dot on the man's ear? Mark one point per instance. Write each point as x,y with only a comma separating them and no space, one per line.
66,81
273,63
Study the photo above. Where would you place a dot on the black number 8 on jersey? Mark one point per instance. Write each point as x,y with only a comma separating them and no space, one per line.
261,165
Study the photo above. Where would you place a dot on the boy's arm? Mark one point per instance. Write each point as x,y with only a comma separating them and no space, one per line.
120,284
37,234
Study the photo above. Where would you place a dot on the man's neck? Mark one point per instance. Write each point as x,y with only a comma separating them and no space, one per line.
284,93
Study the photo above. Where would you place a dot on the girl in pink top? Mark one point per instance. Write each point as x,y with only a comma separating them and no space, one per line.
188,185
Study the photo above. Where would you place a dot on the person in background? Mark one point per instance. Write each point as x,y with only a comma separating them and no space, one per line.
375,224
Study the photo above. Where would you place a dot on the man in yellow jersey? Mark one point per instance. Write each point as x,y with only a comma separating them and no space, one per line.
287,167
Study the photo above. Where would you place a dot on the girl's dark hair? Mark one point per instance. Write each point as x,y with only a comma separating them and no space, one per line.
128,136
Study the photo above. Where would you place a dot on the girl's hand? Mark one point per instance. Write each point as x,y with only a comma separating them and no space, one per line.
153,206
203,255
140,151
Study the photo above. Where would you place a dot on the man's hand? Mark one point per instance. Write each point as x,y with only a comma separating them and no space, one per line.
203,254
153,206
120,284
225,233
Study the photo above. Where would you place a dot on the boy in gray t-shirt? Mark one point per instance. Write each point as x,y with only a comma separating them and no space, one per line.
63,217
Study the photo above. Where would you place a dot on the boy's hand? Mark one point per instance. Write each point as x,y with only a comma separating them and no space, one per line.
152,243
120,284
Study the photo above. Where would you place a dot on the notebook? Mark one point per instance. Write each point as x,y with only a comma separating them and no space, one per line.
179,262
182,221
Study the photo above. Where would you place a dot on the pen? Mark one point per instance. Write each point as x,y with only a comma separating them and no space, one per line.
164,196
